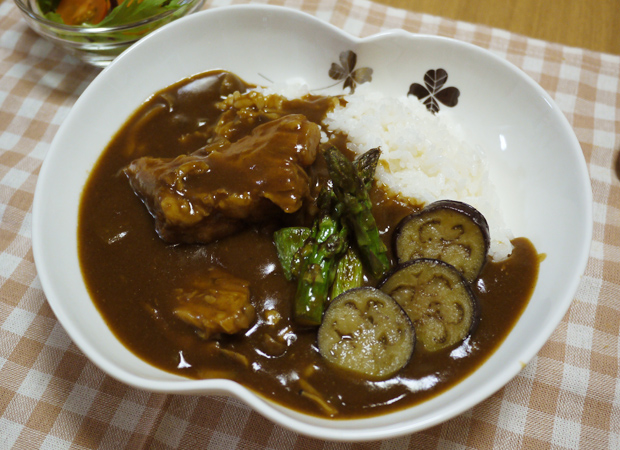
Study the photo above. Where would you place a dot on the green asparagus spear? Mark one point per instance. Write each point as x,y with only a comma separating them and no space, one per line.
349,273
352,193
319,256
288,242
366,165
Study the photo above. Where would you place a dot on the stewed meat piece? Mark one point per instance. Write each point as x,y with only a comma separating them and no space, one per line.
212,193
215,303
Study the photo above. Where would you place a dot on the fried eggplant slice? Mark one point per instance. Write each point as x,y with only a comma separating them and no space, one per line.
366,332
436,298
448,230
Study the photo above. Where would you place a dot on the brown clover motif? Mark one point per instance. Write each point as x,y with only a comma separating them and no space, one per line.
434,80
346,71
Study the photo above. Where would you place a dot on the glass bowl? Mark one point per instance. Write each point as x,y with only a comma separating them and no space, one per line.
99,45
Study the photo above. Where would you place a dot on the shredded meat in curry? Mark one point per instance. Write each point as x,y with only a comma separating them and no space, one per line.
216,303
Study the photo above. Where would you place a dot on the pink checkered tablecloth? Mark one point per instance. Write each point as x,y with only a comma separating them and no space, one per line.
52,396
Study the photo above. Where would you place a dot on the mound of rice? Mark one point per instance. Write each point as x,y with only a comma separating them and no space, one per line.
425,157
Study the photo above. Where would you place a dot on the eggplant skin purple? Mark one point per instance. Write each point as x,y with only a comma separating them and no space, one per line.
437,299
448,230
366,332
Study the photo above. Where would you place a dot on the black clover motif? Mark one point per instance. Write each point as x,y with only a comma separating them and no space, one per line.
434,81
346,71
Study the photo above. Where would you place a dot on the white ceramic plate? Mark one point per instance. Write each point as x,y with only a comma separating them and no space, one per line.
535,159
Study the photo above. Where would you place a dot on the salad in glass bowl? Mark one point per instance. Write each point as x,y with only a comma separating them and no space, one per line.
96,31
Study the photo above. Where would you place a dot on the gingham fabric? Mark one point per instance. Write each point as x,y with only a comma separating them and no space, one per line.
52,396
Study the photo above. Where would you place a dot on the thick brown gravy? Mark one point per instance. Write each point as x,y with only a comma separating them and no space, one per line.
131,273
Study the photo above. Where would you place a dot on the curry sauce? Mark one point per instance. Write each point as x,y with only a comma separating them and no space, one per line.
132,274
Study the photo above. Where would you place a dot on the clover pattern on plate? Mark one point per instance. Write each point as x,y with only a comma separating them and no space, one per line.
346,71
434,92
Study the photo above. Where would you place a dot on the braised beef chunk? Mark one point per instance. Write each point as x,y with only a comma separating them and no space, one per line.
215,192
216,303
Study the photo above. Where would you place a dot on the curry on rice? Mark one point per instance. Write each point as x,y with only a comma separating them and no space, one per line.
176,245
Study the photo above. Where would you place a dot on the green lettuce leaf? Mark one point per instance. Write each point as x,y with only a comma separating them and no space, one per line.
127,12
133,11
48,6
